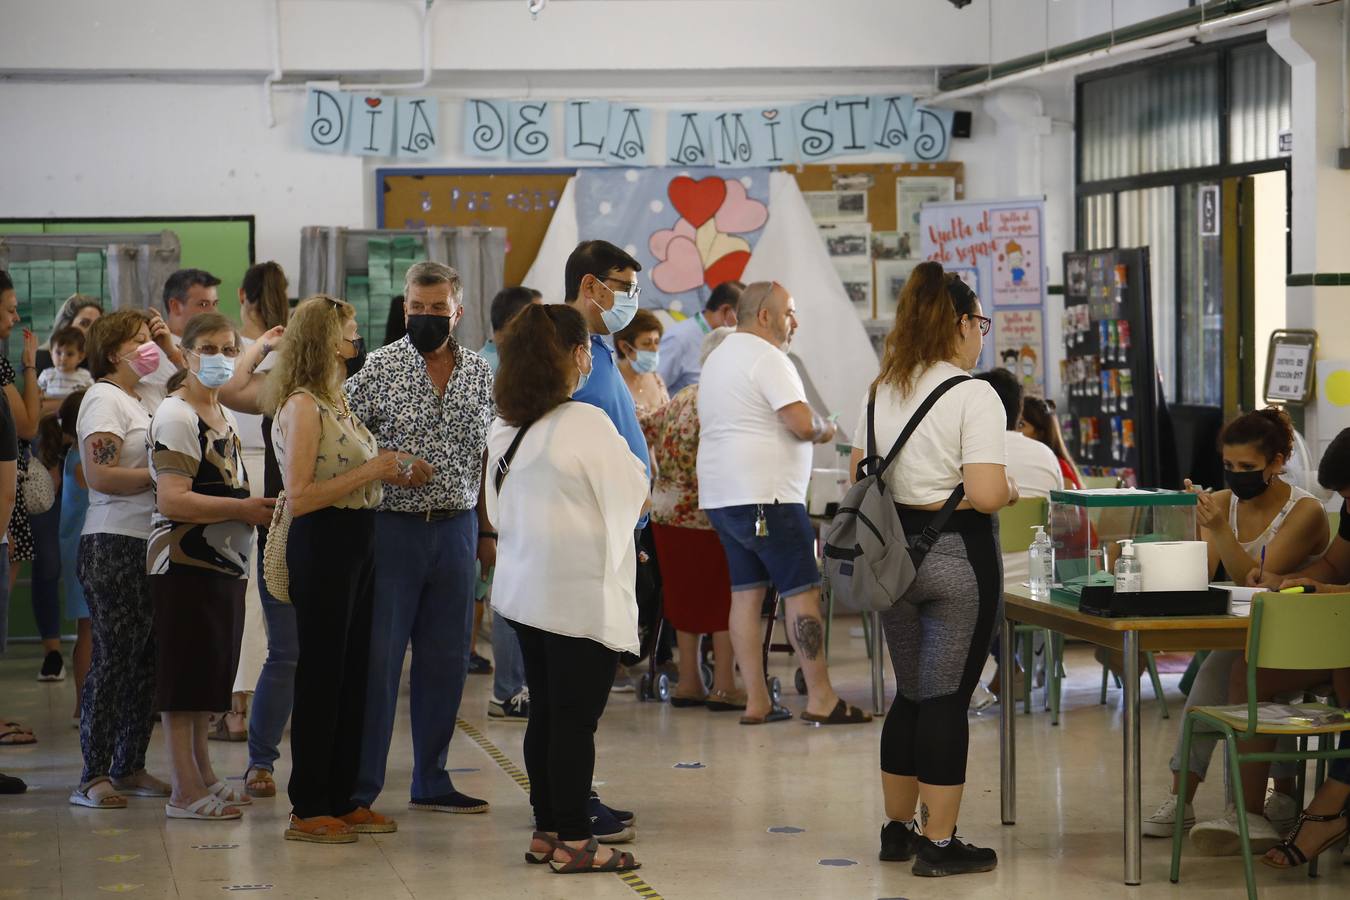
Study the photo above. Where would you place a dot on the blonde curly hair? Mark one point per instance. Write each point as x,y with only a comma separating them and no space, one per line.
308,359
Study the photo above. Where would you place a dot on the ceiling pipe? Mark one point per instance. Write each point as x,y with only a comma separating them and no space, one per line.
269,110
1081,53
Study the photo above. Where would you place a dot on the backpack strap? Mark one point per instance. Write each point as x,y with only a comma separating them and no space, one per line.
914,421
504,464
925,541
870,461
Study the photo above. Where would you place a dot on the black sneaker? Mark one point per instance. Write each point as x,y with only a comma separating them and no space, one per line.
479,665
605,826
957,858
626,817
53,667
517,709
897,842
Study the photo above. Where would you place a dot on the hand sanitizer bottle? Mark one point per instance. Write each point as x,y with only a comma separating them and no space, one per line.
1129,576
1041,564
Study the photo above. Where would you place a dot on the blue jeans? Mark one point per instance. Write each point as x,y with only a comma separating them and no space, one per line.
424,575
508,666
46,576
273,696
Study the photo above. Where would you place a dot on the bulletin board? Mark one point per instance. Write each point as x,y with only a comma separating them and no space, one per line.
881,195
520,200
222,245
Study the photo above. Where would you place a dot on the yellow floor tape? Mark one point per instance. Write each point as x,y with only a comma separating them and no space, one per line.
518,775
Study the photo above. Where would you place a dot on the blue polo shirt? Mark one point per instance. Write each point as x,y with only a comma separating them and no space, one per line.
606,390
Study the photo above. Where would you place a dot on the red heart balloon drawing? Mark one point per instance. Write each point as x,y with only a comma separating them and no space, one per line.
729,268
374,102
697,201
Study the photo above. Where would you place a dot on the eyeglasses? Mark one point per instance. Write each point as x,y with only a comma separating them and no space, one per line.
984,322
212,350
630,288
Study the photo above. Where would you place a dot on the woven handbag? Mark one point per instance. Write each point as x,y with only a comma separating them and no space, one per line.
276,574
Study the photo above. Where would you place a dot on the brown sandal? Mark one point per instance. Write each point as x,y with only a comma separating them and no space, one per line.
261,785
536,858
320,830
583,860
842,714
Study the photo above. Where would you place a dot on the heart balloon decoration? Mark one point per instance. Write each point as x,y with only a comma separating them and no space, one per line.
697,201
729,268
682,269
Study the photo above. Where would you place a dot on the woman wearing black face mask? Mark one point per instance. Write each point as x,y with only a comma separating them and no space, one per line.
1258,515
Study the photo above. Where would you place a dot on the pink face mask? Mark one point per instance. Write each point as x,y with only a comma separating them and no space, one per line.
145,360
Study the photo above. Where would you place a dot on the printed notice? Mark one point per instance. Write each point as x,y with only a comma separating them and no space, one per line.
1289,372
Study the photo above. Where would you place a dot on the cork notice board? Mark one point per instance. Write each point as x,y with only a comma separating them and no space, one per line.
520,200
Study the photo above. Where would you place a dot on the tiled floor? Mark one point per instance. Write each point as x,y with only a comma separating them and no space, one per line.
703,832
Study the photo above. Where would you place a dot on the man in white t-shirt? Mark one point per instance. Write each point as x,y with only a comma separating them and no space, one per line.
754,461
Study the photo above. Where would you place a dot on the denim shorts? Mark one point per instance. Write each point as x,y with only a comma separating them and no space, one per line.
786,557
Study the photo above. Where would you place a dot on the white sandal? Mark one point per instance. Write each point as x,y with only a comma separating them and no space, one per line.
229,794
209,807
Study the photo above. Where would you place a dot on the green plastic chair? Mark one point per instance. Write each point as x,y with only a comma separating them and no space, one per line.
1287,631
1015,524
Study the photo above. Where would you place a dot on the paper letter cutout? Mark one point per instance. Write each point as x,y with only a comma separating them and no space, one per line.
931,131
815,136
770,130
730,139
687,138
372,125
531,134
417,118
890,124
328,117
851,120
485,129
626,143
586,126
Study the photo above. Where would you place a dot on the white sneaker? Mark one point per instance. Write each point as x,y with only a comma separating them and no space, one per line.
1281,811
1220,837
1161,823
982,699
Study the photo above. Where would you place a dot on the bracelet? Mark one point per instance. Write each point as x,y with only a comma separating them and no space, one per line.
490,535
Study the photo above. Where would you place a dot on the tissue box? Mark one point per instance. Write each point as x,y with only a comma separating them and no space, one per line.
826,489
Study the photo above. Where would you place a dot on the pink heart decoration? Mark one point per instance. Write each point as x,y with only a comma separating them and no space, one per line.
739,213
660,240
682,269
769,114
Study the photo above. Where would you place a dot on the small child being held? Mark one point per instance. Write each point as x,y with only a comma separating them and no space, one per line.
66,376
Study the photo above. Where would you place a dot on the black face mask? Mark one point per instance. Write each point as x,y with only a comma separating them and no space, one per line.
356,362
428,333
1246,485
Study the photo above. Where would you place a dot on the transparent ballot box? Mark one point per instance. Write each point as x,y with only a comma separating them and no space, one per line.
1087,527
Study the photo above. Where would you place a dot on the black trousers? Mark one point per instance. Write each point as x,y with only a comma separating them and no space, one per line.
569,680
331,556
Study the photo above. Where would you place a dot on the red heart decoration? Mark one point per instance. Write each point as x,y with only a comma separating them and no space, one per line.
373,102
729,268
697,201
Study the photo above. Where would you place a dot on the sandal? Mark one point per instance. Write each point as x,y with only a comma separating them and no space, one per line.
208,808
261,784
320,830
776,714
85,796
16,726
154,787
686,702
843,714
364,820
229,795
221,732
538,858
583,860
721,701
16,737
1295,857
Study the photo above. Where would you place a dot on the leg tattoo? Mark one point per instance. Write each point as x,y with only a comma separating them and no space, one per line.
810,636
923,815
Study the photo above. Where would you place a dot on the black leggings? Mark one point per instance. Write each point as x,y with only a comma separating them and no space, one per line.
938,637
569,680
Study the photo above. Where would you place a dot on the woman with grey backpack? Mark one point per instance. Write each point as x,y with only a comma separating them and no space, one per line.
947,478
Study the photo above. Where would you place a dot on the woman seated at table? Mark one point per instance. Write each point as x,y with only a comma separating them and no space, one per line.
1039,424
1258,516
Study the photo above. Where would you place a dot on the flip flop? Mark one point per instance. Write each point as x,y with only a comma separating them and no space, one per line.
81,796
843,714
15,738
776,714
208,808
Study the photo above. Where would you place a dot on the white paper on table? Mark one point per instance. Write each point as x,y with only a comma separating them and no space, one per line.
1240,598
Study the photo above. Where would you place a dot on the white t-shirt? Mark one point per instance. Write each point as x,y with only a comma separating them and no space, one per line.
568,565
108,409
745,454
965,426
1033,466
249,425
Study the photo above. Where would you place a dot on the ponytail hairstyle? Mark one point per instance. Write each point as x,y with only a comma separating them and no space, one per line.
927,327
537,371
55,428
1038,414
205,323
265,288
1270,430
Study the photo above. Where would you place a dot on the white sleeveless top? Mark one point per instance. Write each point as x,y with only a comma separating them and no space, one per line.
1296,494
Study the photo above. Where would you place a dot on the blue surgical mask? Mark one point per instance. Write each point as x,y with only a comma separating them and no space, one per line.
581,382
489,352
215,370
646,361
617,317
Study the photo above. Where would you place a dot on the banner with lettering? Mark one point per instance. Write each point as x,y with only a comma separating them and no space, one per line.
628,134
998,248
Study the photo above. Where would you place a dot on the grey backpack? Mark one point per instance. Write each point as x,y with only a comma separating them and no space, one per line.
869,560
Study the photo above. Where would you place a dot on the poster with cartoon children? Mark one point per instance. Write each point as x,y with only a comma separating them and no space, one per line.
1017,264
1019,342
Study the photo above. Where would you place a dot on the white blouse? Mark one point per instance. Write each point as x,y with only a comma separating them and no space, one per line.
566,559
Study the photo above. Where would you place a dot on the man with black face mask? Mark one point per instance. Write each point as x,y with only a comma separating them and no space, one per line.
430,397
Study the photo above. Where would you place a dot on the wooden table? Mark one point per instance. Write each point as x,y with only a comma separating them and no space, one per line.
1130,636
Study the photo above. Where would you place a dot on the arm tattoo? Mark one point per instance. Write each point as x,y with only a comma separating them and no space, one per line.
810,636
103,452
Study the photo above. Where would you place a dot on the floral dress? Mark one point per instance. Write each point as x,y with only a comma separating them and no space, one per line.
672,433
